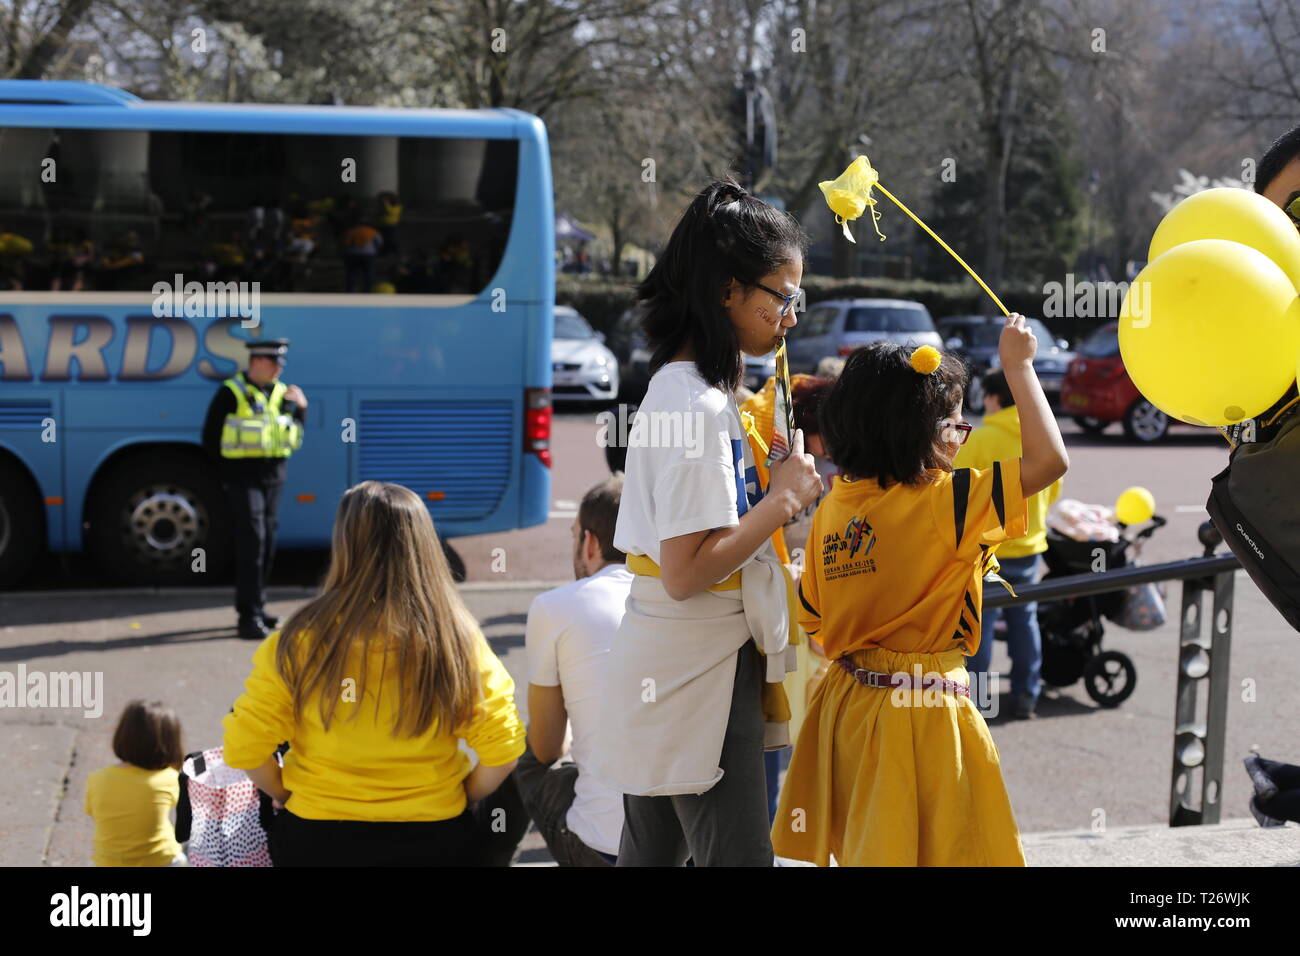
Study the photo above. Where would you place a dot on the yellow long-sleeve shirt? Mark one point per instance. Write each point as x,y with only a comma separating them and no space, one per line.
357,770
998,439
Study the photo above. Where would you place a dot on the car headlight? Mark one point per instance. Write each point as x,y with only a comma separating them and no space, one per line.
599,361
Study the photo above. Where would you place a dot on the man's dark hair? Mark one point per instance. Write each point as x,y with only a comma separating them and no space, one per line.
995,383
724,233
881,417
148,736
1284,149
598,514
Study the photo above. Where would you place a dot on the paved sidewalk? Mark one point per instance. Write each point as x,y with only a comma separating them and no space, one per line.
1239,842
181,648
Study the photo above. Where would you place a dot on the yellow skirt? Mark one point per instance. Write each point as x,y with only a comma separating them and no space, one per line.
895,777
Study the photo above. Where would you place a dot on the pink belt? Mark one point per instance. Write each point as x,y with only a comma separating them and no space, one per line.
879,679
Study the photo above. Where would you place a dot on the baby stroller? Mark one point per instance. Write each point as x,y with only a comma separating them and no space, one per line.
1072,629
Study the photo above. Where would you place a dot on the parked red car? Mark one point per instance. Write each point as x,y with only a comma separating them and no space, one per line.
1097,391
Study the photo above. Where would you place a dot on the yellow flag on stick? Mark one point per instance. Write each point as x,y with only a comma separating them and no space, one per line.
849,197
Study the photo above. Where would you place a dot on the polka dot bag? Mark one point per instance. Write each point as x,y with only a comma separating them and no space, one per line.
226,810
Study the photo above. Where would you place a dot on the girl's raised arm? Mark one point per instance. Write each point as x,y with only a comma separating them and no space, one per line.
1043,457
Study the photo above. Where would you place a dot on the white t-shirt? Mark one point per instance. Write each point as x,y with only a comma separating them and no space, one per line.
567,640
687,463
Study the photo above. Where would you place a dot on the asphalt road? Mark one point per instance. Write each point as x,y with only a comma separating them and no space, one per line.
1074,766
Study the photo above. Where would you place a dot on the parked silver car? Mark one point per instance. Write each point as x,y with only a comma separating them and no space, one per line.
582,368
838,326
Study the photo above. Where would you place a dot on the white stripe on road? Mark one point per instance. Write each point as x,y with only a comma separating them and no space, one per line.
1190,509
561,514
566,505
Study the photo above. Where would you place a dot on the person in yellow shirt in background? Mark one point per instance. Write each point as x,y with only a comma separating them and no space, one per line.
998,439
131,801
374,684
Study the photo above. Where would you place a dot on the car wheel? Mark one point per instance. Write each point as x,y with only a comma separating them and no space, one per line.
1093,426
1145,423
22,525
148,515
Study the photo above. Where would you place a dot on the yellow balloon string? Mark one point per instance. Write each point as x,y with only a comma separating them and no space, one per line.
945,245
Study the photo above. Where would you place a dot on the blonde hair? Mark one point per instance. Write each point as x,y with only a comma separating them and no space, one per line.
388,582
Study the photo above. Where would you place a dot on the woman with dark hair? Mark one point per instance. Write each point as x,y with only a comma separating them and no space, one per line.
894,764
687,710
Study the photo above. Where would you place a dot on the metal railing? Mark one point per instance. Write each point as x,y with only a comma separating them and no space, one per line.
1198,744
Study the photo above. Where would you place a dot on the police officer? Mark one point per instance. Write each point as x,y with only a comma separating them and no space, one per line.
254,424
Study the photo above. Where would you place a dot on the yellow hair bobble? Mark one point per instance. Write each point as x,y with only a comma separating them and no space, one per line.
926,359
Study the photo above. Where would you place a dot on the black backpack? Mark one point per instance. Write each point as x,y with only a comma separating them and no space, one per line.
1255,504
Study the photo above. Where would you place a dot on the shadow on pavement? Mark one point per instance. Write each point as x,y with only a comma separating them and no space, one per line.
27,652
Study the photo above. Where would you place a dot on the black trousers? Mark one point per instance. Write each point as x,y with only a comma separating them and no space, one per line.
486,834
255,510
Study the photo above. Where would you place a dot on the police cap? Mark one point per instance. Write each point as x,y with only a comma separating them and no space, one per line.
268,348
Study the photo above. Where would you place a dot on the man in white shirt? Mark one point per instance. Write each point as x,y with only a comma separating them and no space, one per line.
567,638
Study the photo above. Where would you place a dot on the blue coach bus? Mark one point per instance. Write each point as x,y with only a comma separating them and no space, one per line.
407,255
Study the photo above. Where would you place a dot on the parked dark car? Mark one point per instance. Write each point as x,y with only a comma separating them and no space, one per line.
975,339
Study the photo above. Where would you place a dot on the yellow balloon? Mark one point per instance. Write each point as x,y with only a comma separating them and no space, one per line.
1135,505
1209,332
1238,215
384,288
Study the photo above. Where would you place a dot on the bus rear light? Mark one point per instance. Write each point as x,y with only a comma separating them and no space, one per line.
56,500
436,495
306,499
537,423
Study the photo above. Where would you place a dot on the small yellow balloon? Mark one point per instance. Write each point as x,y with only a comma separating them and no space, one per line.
1209,332
384,288
1237,215
1135,505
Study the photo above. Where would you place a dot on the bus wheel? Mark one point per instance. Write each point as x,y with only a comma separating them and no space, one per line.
22,532
151,514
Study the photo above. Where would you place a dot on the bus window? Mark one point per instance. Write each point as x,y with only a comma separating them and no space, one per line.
296,213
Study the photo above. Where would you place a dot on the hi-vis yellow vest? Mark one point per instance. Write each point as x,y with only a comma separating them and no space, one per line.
258,428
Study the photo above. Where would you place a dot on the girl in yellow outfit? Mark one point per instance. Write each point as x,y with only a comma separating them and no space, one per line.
907,773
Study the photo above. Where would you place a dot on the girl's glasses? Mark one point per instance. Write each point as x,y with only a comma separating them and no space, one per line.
1293,210
787,301
954,431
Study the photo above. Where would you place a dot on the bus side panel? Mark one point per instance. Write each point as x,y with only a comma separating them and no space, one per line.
30,428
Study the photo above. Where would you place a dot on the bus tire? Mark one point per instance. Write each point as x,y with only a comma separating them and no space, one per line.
22,525
149,514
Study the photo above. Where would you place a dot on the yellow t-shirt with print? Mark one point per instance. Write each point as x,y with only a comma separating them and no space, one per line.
902,567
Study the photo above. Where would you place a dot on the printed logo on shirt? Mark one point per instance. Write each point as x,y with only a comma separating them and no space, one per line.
748,492
847,554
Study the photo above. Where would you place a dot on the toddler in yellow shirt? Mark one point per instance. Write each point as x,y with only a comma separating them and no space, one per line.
131,800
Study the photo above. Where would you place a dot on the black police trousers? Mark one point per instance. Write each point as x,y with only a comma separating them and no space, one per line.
255,512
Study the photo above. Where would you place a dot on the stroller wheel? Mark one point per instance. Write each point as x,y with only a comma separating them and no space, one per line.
1110,678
